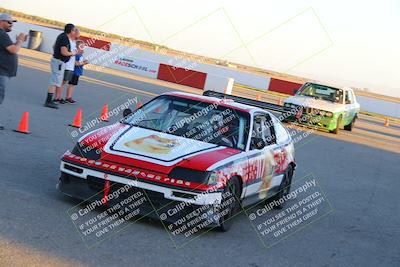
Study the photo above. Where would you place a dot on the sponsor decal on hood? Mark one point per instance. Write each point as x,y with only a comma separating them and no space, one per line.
156,147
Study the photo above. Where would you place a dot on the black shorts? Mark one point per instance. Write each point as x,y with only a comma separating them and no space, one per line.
68,75
74,80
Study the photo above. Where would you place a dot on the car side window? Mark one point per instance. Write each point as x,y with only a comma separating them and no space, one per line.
282,136
262,131
353,97
269,132
348,98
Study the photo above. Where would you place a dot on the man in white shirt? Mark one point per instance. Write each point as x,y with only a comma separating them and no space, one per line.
69,68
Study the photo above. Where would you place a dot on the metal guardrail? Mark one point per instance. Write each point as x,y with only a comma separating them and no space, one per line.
246,101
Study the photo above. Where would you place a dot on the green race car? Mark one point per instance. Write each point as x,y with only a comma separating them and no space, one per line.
323,107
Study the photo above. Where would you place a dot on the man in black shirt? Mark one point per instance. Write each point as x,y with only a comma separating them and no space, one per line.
8,53
61,55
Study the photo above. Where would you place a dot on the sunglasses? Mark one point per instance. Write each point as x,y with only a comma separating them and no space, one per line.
9,22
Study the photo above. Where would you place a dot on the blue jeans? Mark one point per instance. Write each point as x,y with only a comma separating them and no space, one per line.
3,82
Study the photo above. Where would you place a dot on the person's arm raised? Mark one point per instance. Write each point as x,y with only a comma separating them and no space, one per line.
14,48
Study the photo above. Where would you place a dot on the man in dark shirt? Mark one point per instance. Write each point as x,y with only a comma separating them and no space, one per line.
8,53
61,55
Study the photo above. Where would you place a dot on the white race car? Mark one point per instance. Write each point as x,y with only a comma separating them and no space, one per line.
324,107
183,150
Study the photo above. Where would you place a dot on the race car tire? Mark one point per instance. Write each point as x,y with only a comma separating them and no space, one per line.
350,126
338,122
284,188
232,193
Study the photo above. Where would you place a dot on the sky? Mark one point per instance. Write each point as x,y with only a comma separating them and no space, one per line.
348,43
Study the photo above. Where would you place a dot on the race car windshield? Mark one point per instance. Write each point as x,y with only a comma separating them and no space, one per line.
207,122
322,92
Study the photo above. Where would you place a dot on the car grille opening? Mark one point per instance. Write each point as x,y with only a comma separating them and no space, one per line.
97,184
73,168
183,195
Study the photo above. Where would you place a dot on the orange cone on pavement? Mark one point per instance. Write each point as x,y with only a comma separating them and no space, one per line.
104,113
77,123
258,97
387,124
24,124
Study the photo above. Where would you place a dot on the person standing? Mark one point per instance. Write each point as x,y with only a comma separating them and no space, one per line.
69,69
61,55
80,61
8,53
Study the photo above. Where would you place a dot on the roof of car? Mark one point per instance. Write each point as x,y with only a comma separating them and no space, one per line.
223,102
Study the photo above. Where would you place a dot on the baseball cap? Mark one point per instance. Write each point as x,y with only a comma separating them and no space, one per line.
6,17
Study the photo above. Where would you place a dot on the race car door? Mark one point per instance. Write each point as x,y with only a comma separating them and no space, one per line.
350,108
261,163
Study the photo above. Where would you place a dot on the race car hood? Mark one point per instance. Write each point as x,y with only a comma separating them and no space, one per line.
315,103
159,151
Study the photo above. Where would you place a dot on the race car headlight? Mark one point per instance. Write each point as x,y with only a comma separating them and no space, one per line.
287,105
86,152
329,114
189,175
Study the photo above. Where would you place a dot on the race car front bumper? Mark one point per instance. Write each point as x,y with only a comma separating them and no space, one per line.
313,121
90,185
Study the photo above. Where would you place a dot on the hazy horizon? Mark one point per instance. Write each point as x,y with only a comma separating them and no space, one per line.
351,44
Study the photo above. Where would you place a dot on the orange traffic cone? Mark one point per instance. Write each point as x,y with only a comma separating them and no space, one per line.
258,97
387,124
77,123
24,124
104,113
139,105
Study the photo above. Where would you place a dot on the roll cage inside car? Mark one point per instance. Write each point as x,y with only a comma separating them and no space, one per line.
263,131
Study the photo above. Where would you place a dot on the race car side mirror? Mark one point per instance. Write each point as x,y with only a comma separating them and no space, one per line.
126,112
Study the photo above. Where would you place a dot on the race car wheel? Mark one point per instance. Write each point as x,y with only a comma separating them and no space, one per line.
230,204
338,122
350,126
284,188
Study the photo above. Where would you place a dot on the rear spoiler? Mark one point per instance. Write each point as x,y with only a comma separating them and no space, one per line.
246,101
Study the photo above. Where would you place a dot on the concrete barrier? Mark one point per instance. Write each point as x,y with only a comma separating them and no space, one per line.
49,35
137,66
284,87
182,76
219,84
